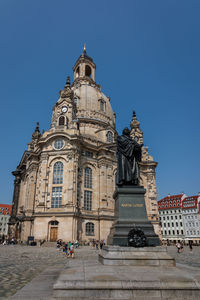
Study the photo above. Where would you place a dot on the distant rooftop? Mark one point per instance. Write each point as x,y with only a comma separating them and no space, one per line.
5,209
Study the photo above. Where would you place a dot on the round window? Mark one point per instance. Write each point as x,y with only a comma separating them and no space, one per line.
59,144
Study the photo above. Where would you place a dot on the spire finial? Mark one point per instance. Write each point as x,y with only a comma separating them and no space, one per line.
84,48
134,123
36,134
37,127
68,82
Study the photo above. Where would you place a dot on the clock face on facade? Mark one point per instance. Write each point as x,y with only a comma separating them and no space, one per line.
64,109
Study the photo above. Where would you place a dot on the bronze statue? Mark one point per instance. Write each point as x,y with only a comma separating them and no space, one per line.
129,154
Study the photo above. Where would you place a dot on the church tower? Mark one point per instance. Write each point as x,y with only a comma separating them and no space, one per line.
84,68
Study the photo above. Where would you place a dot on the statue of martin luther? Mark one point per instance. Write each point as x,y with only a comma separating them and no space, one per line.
128,154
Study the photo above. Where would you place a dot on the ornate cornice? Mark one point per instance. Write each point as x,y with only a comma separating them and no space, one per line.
148,164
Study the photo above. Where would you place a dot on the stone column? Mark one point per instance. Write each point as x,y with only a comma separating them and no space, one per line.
31,189
43,181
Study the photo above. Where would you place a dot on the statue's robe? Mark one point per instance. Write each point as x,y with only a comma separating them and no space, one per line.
129,153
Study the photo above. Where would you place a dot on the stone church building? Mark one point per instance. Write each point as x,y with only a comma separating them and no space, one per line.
65,181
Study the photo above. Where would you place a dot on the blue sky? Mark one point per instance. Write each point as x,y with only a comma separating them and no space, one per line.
148,59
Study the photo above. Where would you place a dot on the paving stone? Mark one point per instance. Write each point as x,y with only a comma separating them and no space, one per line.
20,264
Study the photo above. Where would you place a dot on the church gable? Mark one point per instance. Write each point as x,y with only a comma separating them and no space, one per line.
56,143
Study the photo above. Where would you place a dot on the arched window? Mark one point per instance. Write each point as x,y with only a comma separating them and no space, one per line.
109,137
88,185
89,228
88,71
61,121
88,178
58,173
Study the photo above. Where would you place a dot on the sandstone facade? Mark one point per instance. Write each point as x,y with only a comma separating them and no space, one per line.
65,181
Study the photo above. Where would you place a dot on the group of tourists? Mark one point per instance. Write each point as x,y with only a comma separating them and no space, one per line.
7,241
180,247
66,247
98,244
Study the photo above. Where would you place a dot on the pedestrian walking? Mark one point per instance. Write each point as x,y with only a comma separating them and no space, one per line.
178,246
76,244
101,244
69,245
72,251
65,249
190,245
97,245
59,244
93,243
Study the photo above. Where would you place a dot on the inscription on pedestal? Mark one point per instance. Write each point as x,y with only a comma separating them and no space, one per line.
131,205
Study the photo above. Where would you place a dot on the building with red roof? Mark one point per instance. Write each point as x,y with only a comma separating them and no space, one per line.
170,212
5,213
179,217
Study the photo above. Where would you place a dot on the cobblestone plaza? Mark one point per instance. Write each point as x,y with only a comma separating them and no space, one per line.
20,264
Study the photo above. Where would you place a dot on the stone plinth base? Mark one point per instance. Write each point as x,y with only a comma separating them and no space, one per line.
129,256
91,280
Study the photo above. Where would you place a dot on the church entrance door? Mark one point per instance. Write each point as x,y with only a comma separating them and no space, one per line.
53,234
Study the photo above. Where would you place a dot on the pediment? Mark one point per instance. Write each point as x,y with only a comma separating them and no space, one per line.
24,158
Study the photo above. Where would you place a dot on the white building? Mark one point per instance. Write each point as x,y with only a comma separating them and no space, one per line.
170,212
190,211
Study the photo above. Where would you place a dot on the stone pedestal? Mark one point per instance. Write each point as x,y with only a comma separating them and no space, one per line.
130,211
129,256
85,278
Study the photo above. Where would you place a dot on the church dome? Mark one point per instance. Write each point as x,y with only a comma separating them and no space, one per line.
91,103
